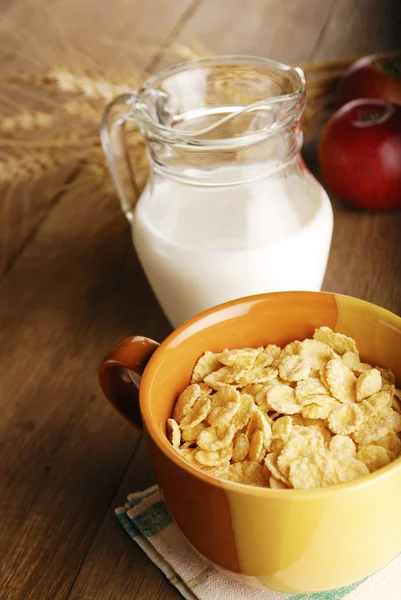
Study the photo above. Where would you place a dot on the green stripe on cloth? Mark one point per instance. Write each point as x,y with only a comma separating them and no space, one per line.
153,519
201,578
331,595
127,524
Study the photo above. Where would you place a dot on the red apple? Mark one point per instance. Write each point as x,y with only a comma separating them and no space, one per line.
360,154
376,76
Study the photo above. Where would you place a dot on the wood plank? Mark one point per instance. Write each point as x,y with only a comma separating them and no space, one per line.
365,259
23,207
359,27
115,567
36,36
286,32
63,451
71,293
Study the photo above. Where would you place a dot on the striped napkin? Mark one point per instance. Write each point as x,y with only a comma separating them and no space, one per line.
146,520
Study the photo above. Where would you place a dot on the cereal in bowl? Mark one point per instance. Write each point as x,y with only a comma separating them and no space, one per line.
308,415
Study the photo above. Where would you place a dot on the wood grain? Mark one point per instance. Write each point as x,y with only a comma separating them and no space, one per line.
365,256
63,451
365,259
359,27
35,35
262,27
114,566
75,287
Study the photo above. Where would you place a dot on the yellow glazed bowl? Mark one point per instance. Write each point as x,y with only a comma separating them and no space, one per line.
294,541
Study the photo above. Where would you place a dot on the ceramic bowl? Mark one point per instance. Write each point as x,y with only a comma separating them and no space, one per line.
294,541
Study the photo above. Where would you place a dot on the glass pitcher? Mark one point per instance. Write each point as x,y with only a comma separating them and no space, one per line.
229,209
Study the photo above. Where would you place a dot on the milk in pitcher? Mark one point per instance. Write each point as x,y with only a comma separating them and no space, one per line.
201,246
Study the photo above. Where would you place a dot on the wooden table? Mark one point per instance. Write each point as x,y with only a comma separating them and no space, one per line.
72,286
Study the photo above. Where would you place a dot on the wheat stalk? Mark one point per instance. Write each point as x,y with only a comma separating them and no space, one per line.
26,121
78,95
28,167
84,110
93,86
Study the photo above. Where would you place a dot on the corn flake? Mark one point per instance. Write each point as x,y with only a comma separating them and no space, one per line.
256,447
267,356
374,457
376,404
258,393
319,426
277,445
343,445
185,401
207,363
294,368
248,472
368,383
345,419
258,422
317,354
341,381
197,413
349,469
290,349
215,438
244,357
282,427
186,445
189,455
309,388
253,474
373,430
393,418
235,472
173,433
308,472
225,403
256,374
396,401
271,467
213,458
319,408
220,471
190,434
337,341
308,443
276,484
387,376
351,360
245,411
224,375
323,416
282,398
392,443
241,448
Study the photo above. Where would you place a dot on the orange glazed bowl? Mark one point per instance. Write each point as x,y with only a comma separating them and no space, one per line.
294,541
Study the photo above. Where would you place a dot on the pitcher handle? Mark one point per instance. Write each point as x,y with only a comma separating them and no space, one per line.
116,151
120,374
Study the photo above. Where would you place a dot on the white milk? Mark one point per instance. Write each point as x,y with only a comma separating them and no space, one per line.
201,246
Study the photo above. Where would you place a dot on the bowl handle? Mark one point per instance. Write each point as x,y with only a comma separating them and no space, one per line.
120,374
